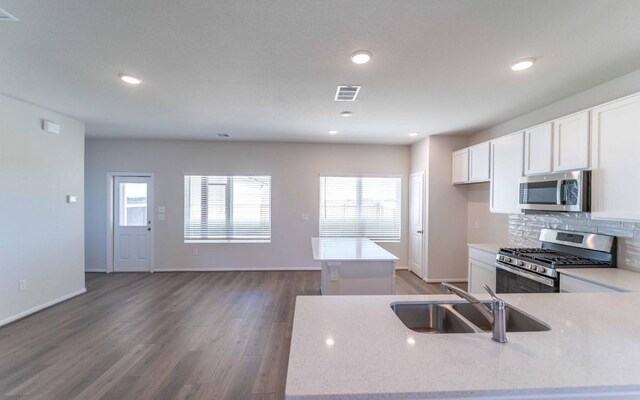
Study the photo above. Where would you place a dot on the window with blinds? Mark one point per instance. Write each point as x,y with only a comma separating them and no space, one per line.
227,208
360,206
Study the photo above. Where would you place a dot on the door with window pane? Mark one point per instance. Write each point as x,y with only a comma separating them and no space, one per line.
132,224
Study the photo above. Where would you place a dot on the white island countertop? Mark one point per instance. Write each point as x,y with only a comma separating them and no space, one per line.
348,249
354,347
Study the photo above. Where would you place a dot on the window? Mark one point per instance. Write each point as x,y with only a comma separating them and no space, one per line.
133,204
360,206
227,208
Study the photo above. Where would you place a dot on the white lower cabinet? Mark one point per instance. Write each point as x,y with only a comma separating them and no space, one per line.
481,274
569,284
481,270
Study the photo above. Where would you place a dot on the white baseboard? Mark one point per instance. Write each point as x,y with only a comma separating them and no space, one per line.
402,267
454,280
232,269
95,270
41,307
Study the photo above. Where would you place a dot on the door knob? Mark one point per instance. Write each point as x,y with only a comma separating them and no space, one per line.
419,232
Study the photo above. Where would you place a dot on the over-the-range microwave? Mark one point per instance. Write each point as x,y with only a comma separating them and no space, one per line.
565,191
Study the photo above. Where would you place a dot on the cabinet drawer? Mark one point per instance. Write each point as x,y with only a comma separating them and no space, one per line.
569,284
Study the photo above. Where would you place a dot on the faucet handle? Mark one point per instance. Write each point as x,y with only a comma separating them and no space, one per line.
493,295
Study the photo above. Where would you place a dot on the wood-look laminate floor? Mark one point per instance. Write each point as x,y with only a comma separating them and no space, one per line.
212,335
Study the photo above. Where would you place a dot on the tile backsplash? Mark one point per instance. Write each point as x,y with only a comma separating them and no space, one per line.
524,230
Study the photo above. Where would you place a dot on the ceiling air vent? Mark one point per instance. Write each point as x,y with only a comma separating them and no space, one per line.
347,93
224,135
5,16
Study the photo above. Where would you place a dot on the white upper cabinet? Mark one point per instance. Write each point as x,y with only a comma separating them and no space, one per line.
571,138
538,149
479,162
615,157
507,159
460,166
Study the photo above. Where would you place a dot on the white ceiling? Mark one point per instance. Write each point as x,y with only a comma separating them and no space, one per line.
268,70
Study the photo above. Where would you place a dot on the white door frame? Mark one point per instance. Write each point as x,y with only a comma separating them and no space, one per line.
424,226
110,217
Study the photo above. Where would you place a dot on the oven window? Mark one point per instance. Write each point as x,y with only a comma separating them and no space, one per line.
539,192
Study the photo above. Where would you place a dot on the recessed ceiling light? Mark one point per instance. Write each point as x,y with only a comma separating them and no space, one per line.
130,79
361,57
346,113
333,132
413,133
522,64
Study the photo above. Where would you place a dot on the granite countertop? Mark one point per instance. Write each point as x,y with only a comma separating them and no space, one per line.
354,347
614,278
348,249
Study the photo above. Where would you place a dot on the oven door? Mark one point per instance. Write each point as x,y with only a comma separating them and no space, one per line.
513,280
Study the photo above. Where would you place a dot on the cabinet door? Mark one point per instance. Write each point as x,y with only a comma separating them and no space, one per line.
571,142
538,144
460,167
507,158
481,274
616,160
479,162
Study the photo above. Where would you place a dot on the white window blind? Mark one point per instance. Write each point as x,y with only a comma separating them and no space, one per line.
360,206
227,208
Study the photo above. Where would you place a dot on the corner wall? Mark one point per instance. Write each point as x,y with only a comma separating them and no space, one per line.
445,246
41,235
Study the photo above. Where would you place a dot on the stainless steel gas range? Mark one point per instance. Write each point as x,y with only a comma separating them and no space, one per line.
534,270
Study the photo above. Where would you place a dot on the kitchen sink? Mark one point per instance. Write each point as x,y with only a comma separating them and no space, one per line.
517,321
432,318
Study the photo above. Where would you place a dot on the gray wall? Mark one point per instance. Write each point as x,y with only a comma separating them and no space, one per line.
294,169
445,208
485,227
41,236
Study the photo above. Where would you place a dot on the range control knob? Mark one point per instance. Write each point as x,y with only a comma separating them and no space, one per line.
519,263
507,259
532,267
541,269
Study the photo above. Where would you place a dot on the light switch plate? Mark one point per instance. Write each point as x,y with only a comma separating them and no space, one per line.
161,209
72,199
304,217
22,284
160,217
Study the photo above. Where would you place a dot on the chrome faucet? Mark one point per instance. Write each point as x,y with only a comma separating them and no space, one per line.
496,315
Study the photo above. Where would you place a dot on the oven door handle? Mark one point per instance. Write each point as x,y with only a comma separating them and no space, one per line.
537,278
559,190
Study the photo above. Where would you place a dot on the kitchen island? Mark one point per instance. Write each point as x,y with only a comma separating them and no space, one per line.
354,266
355,347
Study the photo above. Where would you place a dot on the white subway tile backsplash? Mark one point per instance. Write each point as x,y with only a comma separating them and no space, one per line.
524,230
605,224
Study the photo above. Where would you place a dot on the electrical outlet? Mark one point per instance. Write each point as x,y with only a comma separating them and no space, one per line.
194,251
335,275
304,217
22,285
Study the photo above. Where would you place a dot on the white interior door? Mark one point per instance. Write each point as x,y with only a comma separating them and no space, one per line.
132,236
416,223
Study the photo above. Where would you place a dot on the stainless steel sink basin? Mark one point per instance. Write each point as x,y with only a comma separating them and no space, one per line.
432,318
517,321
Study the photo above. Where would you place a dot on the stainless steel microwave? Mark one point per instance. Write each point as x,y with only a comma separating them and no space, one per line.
565,191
